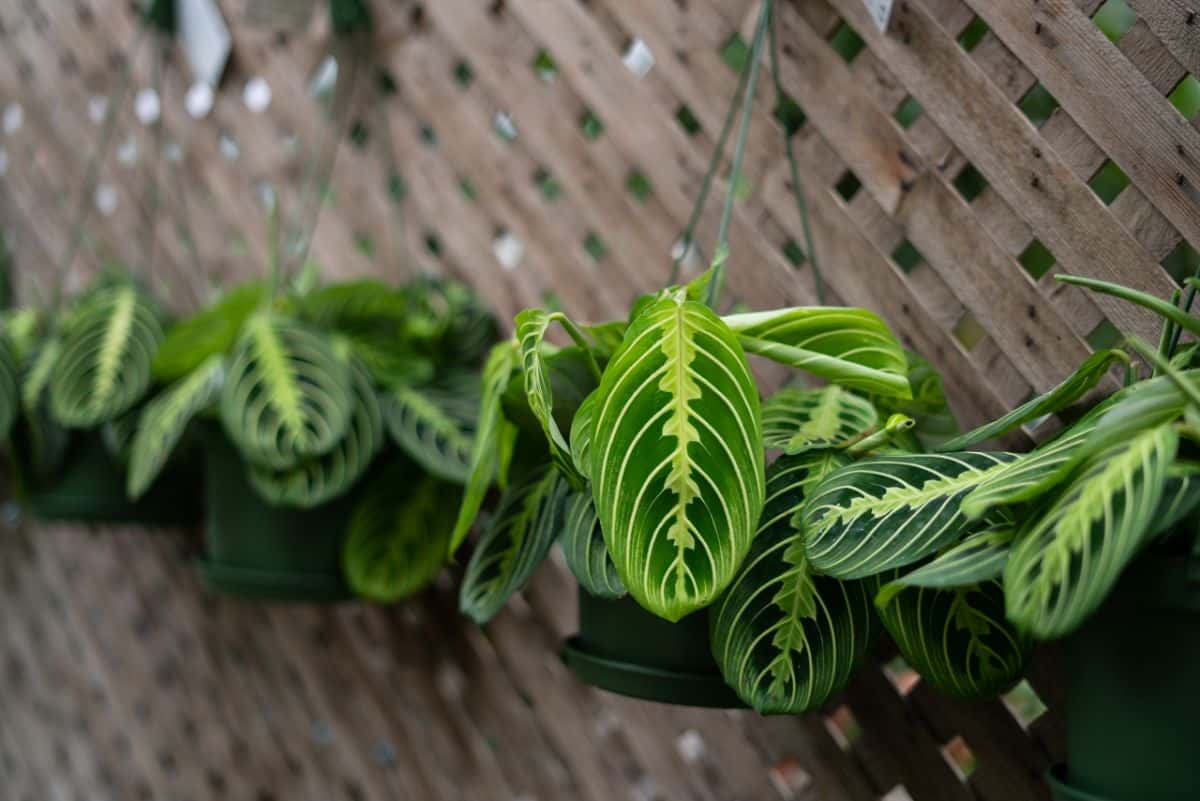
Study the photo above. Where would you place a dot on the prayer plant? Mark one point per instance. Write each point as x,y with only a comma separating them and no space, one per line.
978,554
308,381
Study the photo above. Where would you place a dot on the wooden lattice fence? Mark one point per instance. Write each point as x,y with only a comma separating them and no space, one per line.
952,165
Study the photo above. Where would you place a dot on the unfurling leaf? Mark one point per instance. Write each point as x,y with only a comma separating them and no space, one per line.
485,451
583,545
1060,397
165,418
677,459
1068,559
514,543
851,347
785,637
958,639
799,420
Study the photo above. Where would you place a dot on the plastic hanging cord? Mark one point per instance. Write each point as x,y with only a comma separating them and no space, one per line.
810,246
688,240
320,166
721,253
92,173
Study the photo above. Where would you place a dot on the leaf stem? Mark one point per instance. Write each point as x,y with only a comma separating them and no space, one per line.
721,252
579,339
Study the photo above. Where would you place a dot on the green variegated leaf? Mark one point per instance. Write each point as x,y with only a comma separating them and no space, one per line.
677,461
958,639
583,429
1069,391
165,418
1180,498
514,543
10,390
107,348
211,332
396,538
485,450
980,557
786,638
1067,559
890,511
435,425
37,375
1030,476
287,394
851,347
583,545
799,420
532,325
316,480
117,434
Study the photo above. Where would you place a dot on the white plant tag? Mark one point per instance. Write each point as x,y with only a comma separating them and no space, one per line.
881,12
205,37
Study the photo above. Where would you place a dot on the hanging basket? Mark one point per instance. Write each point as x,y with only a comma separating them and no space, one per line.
1133,703
90,488
624,649
256,550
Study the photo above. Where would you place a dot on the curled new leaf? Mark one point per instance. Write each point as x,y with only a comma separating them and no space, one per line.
1067,559
490,430
319,479
583,545
287,394
851,347
396,538
799,420
785,637
677,459
514,543
890,511
1070,390
958,639
164,419
107,349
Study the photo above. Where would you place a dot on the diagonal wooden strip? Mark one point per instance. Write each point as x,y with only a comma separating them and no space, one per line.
1017,162
1177,24
937,220
1155,146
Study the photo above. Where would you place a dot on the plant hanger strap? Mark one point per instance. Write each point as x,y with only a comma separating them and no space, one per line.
92,171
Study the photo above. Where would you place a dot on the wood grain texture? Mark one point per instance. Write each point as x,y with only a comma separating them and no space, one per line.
121,679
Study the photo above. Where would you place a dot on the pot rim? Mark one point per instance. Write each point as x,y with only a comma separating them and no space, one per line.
272,585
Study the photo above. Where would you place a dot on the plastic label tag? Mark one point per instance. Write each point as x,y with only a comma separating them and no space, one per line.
205,38
881,12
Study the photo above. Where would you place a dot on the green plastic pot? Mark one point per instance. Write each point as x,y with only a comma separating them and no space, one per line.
1133,699
90,488
273,553
624,649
